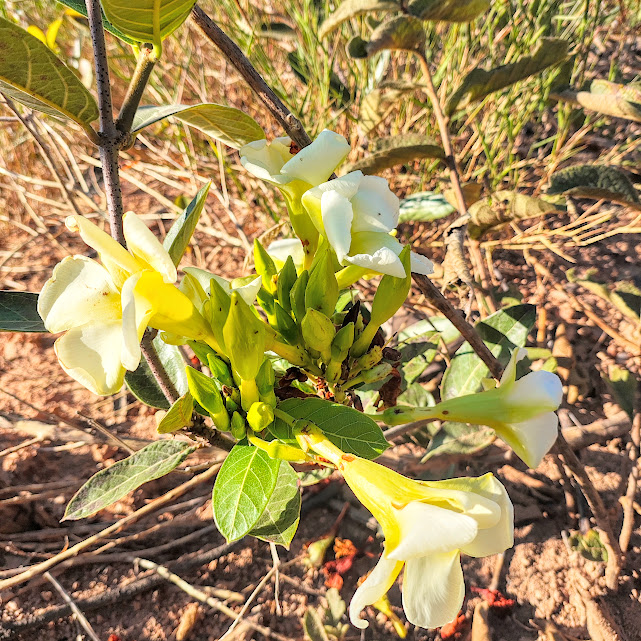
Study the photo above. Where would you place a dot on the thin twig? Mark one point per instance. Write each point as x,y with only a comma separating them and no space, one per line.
155,365
457,319
80,617
39,568
110,137
201,596
232,52
633,478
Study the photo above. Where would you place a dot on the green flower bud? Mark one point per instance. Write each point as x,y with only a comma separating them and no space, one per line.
265,267
374,356
377,373
266,301
321,293
260,415
244,335
238,426
219,370
266,377
279,450
216,310
342,342
286,279
297,296
207,395
318,332
286,325
201,350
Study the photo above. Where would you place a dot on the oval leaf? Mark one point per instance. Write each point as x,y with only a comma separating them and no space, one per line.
32,74
19,312
110,485
279,521
402,33
243,488
179,415
424,206
178,237
231,126
147,20
448,10
456,441
353,432
143,385
502,332
352,8
480,83
398,150
81,7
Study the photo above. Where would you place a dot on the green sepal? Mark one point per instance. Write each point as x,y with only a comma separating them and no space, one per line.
286,279
207,395
286,325
321,292
297,296
238,426
219,370
265,267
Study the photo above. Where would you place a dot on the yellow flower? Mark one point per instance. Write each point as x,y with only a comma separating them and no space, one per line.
105,308
521,412
427,524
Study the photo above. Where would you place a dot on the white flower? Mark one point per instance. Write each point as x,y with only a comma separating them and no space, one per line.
274,161
197,286
521,412
104,309
356,214
281,249
427,524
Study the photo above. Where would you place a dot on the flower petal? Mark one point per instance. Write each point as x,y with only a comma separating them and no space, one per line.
531,440
315,163
509,373
280,249
375,586
249,291
144,245
433,589
376,207
79,291
337,221
427,529
118,261
377,252
91,354
542,391
136,312
421,264
265,159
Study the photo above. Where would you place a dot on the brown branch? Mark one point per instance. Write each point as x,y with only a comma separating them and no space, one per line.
155,365
633,478
232,52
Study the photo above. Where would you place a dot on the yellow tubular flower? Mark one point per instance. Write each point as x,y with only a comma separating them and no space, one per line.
427,524
104,309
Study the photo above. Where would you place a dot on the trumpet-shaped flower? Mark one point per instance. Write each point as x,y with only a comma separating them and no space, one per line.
294,172
277,163
521,412
197,283
281,249
356,214
105,308
427,524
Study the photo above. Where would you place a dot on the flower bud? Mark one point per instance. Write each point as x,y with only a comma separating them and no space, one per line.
322,289
297,296
376,373
286,325
286,279
374,356
318,332
265,266
260,415
206,393
238,426
219,370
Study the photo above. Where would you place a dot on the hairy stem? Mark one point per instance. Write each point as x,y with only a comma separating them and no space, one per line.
232,52
110,137
155,365
144,67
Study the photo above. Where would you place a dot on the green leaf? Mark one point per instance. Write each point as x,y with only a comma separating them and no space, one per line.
428,328
178,415
502,207
231,126
448,10
34,76
609,98
459,440
279,521
314,476
313,626
416,396
110,485
19,312
398,150
348,429
479,83
424,206
81,7
142,383
502,332
351,9
401,33
147,20
596,182
623,386
180,233
242,491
